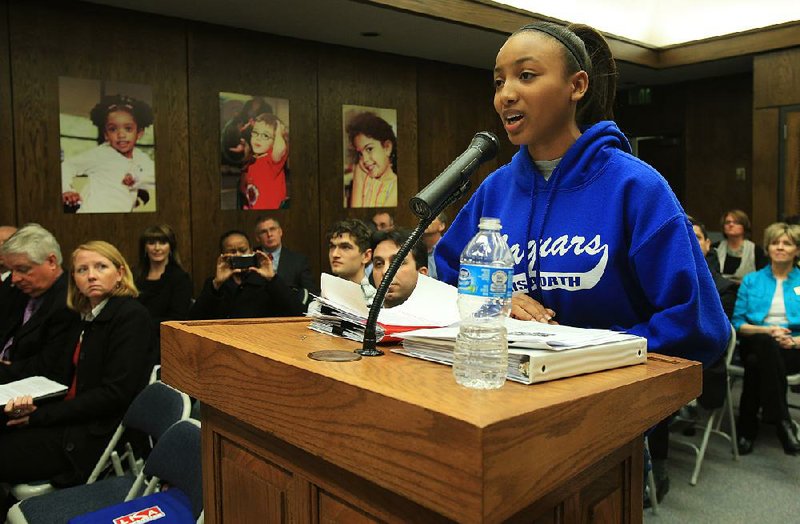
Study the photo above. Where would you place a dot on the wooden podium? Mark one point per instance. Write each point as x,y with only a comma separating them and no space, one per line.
395,439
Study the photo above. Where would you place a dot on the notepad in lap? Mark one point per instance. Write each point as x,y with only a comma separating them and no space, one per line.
36,387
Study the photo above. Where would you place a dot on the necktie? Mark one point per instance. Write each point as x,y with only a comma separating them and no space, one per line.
30,309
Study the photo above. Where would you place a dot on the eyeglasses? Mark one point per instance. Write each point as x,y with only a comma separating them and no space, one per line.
265,136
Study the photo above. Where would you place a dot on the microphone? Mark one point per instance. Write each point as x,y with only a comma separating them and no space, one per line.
445,189
483,147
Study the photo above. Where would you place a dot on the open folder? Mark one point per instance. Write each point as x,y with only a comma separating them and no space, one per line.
342,310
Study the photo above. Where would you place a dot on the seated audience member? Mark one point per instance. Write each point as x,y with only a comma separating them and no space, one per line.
5,282
714,376
433,233
165,289
107,364
291,266
385,245
725,287
5,232
383,221
736,254
349,253
767,317
35,313
244,292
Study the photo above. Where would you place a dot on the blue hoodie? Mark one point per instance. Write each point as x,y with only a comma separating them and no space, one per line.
615,249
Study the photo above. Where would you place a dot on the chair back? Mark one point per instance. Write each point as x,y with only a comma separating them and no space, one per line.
175,459
156,408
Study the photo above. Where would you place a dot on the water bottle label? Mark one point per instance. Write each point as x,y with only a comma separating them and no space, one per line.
485,281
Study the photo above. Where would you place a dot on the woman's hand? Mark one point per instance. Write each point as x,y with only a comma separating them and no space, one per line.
524,307
777,332
224,271
18,410
787,342
265,266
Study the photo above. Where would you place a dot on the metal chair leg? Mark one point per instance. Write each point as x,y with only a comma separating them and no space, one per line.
651,482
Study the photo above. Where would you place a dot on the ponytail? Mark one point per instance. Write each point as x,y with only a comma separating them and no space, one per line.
598,102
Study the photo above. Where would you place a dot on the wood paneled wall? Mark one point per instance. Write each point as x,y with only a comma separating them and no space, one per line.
188,65
359,77
440,107
776,79
711,120
48,40
776,83
8,204
228,60
719,116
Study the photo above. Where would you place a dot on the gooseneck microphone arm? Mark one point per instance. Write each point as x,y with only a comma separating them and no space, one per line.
445,189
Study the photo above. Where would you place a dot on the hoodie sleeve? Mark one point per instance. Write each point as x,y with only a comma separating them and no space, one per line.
687,320
448,250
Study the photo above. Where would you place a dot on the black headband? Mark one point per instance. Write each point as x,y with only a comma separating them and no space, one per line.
573,50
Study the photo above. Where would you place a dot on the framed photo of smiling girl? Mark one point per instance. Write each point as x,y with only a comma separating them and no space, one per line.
254,152
107,146
370,156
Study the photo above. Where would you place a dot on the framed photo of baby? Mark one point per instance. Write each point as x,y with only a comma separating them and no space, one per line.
254,152
107,146
369,138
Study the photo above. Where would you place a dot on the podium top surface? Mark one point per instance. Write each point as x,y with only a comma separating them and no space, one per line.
418,431
405,379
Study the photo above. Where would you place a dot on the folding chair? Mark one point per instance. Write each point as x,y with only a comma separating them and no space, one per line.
735,371
154,409
175,459
651,480
714,416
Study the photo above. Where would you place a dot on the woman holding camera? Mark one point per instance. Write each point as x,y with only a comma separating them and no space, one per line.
244,285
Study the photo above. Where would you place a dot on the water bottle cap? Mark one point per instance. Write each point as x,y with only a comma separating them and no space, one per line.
490,223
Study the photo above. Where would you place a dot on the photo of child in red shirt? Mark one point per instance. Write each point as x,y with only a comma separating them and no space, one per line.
263,179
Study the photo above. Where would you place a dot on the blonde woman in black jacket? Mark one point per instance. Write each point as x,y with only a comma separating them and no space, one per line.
105,365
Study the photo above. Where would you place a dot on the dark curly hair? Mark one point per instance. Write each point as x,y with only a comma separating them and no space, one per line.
372,126
141,112
359,232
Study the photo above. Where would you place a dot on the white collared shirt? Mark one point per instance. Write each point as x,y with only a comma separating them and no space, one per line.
95,312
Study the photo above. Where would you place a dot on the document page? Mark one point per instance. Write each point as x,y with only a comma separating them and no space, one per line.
37,387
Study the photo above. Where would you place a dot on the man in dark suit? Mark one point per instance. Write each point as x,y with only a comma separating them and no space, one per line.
36,316
292,267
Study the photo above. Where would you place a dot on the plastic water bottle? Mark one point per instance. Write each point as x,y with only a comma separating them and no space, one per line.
480,358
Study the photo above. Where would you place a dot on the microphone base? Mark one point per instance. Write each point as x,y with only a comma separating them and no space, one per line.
369,352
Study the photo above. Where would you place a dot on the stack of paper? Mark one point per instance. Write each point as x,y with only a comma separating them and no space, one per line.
342,310
538,352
